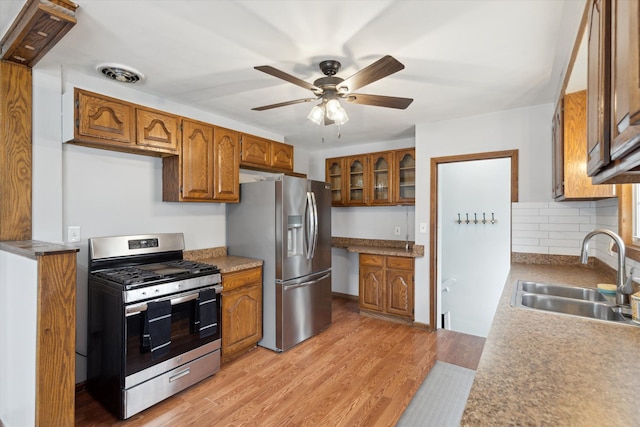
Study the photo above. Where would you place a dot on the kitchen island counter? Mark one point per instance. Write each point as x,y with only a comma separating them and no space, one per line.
543,368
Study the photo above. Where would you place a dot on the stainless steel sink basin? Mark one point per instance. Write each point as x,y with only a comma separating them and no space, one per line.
588,294
576,307
574,301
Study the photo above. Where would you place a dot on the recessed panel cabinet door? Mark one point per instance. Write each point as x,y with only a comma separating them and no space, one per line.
557,131
197,161
157,131
400,293
598,71
625,78
281,156
227,165
256,151
241,318
372,288
104,120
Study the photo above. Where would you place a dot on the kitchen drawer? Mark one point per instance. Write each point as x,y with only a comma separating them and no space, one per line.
400,263
371,260
238,279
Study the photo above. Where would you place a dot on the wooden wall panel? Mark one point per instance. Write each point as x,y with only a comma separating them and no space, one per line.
56,335
15,152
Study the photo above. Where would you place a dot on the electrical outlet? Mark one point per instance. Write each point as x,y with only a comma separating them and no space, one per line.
397,230
423,227
73,234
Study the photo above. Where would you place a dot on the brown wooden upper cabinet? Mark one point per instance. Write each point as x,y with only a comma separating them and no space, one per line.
335,178
359,182
156,130
372,179
264,154
570,179
404,192
112,124
207,168
381,188
613,91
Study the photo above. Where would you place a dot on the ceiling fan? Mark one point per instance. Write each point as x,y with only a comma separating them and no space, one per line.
329,89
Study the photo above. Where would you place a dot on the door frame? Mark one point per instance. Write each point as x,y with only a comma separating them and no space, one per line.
433,220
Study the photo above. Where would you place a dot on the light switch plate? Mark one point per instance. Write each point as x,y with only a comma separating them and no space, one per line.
423,227
73,234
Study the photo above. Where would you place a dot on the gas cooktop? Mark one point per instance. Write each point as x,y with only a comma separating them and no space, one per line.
149,273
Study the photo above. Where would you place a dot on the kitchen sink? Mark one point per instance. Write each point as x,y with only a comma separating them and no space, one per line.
574,301
576,307
588,294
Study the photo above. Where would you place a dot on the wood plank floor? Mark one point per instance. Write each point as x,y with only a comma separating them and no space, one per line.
359,372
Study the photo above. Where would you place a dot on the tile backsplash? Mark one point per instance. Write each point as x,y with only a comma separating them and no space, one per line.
558,228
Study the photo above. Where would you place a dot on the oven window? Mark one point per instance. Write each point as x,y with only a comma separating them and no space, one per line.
184,337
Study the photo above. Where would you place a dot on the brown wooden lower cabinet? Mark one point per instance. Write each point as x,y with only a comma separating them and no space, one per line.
386,285
241,311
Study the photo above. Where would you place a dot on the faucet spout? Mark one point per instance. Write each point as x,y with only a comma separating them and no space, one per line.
622,291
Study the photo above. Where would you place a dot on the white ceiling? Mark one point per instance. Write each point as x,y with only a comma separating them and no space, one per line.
461,58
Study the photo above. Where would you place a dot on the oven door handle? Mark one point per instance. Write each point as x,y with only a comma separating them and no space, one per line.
130,310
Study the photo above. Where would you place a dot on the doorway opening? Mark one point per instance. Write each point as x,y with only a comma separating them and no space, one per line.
474,228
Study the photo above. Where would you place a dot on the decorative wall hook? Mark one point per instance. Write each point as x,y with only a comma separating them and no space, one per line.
475,219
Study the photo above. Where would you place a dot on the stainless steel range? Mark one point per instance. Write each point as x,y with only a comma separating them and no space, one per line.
154,321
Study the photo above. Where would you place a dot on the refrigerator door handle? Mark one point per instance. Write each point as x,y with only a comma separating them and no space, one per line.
312,221
315,224
310,282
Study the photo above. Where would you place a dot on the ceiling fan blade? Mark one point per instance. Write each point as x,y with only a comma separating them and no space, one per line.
284,104
287,77
383,67
379,101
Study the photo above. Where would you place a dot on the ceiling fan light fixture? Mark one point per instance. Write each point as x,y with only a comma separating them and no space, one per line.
316,114
336,113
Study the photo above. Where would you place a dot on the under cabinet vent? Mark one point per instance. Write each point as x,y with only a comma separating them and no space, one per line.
120,73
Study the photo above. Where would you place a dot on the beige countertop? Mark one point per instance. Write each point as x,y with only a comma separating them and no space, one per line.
379,247
542,368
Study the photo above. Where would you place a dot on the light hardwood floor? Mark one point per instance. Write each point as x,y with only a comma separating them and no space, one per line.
359,372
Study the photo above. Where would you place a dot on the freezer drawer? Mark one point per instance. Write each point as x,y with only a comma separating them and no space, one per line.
303,308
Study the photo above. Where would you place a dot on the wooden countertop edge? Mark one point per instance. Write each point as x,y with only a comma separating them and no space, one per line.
35,248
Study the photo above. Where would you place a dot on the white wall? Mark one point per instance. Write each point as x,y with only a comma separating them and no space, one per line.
527,130
18,324
110,193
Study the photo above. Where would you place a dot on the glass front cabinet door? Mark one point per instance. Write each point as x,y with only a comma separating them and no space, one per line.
358,182
335,177
405,182
382,177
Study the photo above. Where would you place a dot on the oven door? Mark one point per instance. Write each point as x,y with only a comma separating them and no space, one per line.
186,341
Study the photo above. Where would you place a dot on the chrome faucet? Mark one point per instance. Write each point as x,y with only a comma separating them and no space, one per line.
624,287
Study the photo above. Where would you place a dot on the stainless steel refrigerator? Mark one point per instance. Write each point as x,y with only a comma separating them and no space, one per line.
286,222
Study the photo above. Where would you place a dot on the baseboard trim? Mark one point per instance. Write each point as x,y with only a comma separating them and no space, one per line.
344,296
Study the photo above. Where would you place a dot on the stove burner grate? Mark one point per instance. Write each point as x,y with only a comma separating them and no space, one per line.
193,267
128,275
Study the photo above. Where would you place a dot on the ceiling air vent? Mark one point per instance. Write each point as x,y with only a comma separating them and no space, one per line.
120,73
